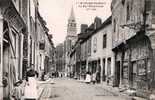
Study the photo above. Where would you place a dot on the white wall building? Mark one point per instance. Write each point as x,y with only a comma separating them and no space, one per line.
102,58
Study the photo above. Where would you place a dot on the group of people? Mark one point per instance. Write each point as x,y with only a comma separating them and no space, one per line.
26,90
94,78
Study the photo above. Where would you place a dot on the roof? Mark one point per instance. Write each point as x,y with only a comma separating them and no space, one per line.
104,24
90,31
72,15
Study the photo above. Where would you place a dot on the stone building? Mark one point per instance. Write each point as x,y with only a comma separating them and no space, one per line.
102,58
18,42
12,31
78,54
59,58
45,47
133,44
49,48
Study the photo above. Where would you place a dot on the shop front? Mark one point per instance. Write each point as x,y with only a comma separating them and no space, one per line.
133,64
139,54
95,67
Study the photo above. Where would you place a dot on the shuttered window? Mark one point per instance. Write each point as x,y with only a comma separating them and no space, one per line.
148,5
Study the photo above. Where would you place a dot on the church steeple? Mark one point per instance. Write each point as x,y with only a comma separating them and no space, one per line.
72,16
71,29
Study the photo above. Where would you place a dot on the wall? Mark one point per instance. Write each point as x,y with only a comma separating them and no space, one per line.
103,53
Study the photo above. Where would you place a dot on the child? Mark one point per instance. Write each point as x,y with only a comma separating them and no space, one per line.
17,91
31,86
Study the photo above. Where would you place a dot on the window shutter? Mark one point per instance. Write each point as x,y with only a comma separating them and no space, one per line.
148,5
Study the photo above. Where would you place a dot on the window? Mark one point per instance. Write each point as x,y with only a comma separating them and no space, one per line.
95,44
89,47
114,25
148,5
73,20
128,13
20,6
104,41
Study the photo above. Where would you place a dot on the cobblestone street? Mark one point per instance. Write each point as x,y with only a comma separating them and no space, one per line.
69,89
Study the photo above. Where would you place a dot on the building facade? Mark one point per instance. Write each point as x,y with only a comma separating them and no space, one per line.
102,58
12,31
18,42
133,44
59,58
45,48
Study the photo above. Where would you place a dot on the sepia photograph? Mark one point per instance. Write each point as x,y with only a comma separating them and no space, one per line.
77,49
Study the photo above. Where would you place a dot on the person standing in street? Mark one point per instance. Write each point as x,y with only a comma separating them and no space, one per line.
98,77
31,86
88,78
94,78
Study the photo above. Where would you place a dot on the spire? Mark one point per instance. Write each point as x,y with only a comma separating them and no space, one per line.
72,16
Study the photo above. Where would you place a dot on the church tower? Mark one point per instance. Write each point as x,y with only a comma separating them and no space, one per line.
71,27
70,39
71,31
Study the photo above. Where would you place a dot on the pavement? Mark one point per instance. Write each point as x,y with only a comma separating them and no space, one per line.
70,89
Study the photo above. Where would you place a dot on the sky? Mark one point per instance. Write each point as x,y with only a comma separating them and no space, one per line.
57,12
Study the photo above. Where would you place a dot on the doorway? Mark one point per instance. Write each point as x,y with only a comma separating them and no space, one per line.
103,73
117,73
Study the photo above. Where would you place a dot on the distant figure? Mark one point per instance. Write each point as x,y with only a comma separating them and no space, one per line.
88,78
108,80
37,74
31,86
43,76
94,78
98,77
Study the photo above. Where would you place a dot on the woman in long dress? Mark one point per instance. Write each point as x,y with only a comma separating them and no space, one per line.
31,86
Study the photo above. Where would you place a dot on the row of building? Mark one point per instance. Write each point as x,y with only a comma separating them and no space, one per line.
24,43
121,48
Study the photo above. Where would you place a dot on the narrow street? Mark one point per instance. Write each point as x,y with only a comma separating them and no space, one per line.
69,89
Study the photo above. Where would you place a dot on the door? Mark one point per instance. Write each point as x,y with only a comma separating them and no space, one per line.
103,73
117,73
133,75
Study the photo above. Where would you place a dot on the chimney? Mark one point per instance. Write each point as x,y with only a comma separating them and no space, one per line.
97,22
50,36
83,28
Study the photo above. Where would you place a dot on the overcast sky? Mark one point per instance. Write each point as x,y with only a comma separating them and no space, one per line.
57,12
